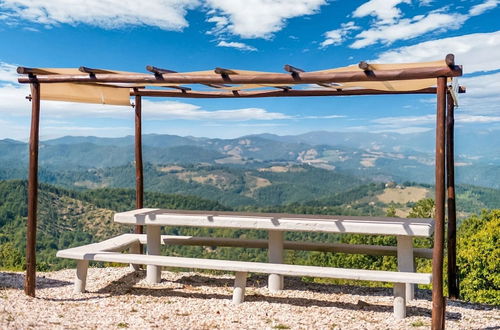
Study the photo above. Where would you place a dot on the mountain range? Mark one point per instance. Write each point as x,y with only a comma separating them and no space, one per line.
371,156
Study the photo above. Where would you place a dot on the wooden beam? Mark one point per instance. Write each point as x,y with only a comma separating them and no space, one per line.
364,66
223,71
294,71
181,88
450,60
92,71
25,70
30,279
438,302
264,78
139,173
273,93
159,72
453,285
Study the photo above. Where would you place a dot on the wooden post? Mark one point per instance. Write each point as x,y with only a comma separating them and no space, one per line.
30,280
453,288
139,173
438,302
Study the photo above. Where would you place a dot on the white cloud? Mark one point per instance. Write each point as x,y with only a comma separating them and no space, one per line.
408,28
465,118
178,110
165,14
237,45
423,123
324,117
257,18
13,130
482,7
405,120
384,10
483,95
390,24
8,73
337,37
476,52
402,130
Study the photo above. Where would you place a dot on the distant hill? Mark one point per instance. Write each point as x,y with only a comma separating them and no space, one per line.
368,156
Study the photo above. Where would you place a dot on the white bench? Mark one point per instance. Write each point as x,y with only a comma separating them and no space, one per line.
109,251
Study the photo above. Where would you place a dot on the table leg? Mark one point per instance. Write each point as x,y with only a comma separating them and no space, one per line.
81,275
275,253
240,282
406,262
399,301
153,236
135,249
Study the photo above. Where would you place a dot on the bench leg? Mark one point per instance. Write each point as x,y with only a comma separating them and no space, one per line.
135,249
399,301
81,275
153,272
275,254
406,262
240,282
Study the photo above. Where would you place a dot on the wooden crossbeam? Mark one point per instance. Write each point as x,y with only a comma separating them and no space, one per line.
182,88
260,78
450,60
273,93
293,70
296,72
364,66
93,71
159,71
223,71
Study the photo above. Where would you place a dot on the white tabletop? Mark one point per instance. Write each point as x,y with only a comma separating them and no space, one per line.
279,221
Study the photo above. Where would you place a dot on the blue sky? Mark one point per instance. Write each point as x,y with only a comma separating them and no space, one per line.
189,35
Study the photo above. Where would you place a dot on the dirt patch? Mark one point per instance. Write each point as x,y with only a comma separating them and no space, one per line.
277,169
403,195
170,169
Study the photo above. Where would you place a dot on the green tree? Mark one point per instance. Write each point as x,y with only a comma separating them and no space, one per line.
478,258
391,211
424,208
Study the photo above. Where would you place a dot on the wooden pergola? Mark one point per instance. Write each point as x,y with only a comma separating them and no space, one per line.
100,86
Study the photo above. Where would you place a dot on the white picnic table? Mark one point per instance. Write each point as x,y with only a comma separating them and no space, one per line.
276,224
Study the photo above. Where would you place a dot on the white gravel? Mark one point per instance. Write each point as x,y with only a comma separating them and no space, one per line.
120,298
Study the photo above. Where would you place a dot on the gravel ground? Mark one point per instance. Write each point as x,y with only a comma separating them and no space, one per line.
119,298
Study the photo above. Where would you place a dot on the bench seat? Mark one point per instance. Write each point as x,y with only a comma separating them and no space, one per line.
108,251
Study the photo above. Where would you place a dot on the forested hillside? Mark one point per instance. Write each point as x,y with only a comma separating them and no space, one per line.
70,218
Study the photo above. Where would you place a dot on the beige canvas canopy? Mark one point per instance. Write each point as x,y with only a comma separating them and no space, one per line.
90,89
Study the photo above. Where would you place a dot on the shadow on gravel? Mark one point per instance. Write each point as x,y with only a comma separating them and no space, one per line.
10,280
190,284
294,283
